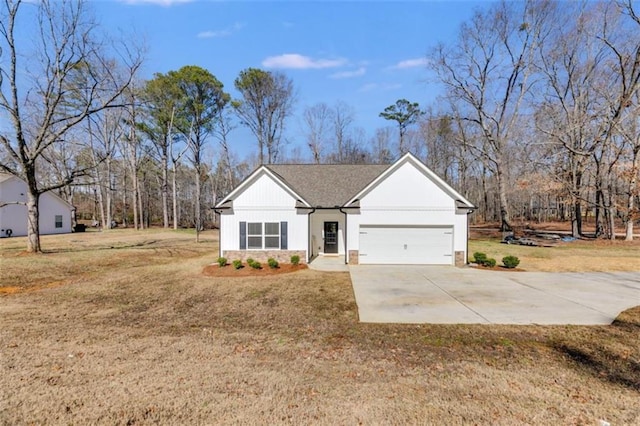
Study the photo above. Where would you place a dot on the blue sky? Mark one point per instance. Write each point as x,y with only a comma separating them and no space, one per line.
367,54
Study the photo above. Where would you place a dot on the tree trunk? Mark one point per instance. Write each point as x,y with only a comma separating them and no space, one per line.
165,191
505,219
175,196
33,218
197,202
108,194
631,189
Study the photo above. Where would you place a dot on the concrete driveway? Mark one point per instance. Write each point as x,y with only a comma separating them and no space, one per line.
448,295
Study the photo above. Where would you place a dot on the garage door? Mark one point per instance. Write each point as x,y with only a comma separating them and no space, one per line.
406,245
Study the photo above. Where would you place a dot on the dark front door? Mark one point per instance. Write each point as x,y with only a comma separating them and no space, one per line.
331,237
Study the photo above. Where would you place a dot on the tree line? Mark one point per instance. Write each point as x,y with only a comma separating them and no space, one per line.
538,121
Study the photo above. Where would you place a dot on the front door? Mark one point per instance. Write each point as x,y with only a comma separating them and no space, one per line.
331,237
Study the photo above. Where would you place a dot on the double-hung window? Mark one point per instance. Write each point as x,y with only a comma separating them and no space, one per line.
254,235
58,221
272,235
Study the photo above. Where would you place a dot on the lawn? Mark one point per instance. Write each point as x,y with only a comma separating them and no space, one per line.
122,327
575,256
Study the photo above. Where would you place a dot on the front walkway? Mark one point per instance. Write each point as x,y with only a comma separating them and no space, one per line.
448,295
329,264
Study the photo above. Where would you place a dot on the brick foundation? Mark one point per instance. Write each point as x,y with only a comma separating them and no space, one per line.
460,258
353,257
282,256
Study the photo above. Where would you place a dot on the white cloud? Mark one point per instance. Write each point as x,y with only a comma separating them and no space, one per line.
411,63
226,32
301,62
165,3
349,74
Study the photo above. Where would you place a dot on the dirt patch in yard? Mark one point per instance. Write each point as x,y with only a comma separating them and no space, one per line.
214,270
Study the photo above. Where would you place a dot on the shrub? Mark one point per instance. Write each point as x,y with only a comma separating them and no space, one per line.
222,261
479,258
295,260
510,261
237,264
273,264
250,261
490,262
254,264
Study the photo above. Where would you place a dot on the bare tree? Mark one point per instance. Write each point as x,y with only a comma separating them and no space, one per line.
43,107
487,70
317,121
343,118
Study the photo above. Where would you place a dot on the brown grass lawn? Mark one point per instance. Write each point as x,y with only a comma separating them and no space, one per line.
576,256
122,327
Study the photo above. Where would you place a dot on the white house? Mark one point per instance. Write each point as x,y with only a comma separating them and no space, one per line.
55,213
370,214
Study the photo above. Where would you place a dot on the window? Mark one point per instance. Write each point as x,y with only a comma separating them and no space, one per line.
58,221
254,236
269,239
272,235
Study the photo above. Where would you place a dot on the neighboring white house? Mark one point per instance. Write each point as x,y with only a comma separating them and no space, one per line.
370,214
55,213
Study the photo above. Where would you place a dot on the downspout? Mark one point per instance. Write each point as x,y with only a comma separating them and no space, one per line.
346,232
219,230
469,211
309,248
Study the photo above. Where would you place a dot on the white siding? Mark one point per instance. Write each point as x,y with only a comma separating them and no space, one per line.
14,216
408,197
264,201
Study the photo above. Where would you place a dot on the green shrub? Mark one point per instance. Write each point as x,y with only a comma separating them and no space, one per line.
479,258
237,264
490,262
273,264
222,261
250,261
254,264
295,260
510,261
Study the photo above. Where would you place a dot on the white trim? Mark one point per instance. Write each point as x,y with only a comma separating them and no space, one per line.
251,179
406,158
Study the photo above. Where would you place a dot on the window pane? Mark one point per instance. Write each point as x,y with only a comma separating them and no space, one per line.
272,242
254,242
58,221
272,228
254,229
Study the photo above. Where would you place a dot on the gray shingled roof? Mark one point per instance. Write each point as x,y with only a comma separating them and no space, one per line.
327,185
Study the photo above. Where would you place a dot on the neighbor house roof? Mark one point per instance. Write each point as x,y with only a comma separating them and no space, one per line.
327,185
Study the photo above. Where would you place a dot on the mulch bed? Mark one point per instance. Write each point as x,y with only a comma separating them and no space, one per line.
214,270
497,268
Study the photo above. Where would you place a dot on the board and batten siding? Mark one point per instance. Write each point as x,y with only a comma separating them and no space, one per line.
408,197
264,200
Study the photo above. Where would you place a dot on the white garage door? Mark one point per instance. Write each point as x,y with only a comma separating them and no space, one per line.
406,245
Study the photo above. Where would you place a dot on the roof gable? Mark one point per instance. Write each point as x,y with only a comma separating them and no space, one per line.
409,158
5,177
252,178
